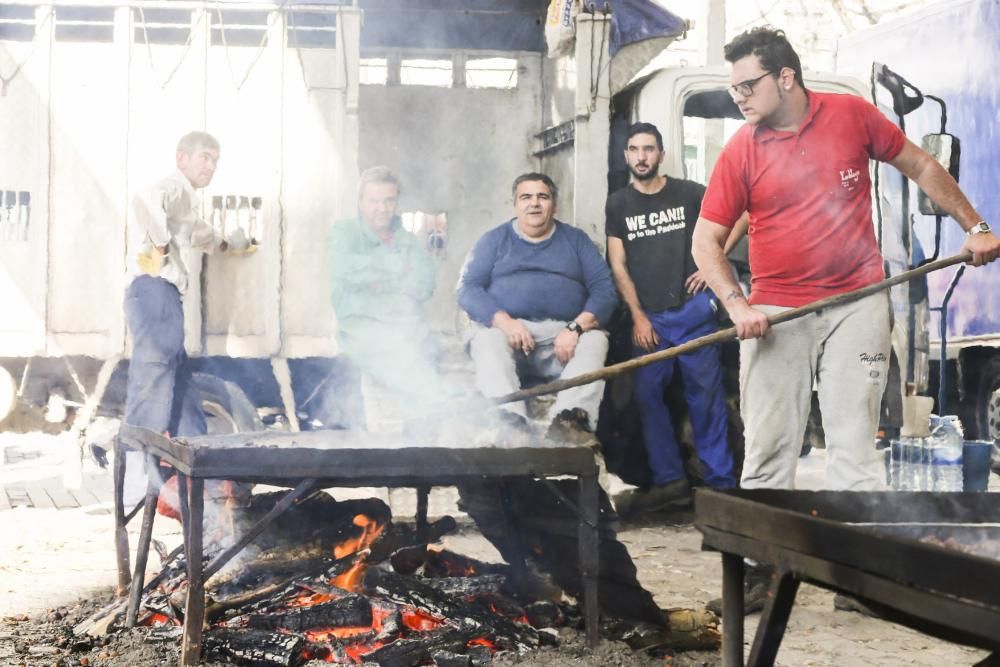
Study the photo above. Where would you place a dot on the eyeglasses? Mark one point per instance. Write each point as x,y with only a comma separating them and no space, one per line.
745,88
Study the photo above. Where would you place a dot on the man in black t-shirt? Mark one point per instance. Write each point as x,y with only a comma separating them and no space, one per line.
649,224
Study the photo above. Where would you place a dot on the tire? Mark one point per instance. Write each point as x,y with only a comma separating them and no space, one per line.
988,400
227,408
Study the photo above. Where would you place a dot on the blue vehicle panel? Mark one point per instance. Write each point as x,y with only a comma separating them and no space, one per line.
951,51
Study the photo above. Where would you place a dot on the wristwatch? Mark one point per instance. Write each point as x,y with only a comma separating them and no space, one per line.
575,327
981,227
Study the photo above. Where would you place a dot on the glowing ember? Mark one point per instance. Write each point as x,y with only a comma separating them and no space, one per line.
420,621
157,620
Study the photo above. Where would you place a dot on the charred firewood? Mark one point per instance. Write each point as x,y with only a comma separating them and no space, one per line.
408,559
445,563
259,573
480,656
448,659
468,586
350,611
392,625
500,604
406,590
254,647
413,651
406,546
165,606
281,592
544,614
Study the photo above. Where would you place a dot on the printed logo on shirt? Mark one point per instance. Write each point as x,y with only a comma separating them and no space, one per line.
850,178
657,222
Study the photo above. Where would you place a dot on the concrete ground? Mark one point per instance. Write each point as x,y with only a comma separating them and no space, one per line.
56,546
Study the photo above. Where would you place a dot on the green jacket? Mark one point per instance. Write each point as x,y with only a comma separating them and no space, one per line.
377,281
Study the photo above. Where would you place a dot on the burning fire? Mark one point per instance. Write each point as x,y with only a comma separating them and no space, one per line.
351,579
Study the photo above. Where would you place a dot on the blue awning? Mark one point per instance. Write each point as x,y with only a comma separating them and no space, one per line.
637,20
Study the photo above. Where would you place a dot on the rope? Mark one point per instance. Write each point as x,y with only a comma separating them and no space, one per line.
149,52
276,13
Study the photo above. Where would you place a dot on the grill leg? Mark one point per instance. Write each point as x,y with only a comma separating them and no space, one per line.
774,620
121,534
517,564
423,492
145,536
732,610
194,609
589,555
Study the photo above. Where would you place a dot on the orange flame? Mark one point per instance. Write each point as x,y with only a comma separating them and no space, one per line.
351,579
370,529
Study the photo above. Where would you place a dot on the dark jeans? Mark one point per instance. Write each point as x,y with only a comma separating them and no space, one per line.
702,374
161,396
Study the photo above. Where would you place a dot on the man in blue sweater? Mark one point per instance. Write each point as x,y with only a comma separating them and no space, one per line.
538,292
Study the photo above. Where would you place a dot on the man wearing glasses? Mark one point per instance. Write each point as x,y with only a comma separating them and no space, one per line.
799,167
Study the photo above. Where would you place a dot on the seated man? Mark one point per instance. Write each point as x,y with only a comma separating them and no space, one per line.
538,291
380,278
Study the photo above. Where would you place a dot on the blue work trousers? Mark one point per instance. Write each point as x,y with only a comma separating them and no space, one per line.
702,374
161,395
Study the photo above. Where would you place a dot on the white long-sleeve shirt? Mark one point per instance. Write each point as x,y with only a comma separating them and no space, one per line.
168,214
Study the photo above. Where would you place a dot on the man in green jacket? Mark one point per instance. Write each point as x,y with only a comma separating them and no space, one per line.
380,278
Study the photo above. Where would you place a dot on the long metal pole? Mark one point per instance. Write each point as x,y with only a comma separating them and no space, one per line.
730,333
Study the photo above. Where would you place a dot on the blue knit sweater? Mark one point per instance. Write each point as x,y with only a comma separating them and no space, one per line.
556,279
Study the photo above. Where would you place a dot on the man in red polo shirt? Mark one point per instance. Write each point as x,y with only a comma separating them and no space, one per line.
799,168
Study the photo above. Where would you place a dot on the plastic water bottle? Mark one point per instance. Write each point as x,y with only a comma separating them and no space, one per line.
908,464
946,442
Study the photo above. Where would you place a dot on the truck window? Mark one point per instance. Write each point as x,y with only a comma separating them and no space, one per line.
710,119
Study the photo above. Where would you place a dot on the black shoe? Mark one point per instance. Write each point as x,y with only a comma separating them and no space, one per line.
572,426
756,590
664,496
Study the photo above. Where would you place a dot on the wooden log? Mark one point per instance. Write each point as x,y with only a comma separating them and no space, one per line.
506,634
415,650
349,611
256,647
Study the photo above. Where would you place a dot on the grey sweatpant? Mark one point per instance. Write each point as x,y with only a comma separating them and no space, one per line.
845,349
500,370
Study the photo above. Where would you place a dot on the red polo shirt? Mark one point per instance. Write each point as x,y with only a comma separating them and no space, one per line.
808,195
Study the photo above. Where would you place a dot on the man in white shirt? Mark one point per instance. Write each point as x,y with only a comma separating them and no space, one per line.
166,225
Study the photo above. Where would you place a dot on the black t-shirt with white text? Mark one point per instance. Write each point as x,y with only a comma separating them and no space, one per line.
656,231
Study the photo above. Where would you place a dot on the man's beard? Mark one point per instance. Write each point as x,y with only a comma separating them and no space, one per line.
648,176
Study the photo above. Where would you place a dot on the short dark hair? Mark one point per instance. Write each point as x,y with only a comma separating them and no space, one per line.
644,128
770,45
535,176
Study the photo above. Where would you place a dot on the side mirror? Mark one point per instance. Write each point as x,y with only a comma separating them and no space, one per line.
946,149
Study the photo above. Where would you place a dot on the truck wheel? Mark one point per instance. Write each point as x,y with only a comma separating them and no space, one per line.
988,401
227,408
